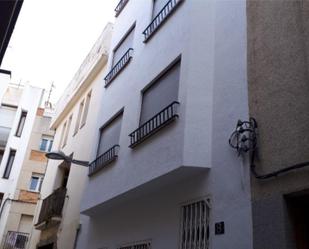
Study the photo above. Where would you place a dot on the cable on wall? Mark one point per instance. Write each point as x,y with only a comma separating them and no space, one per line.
244,140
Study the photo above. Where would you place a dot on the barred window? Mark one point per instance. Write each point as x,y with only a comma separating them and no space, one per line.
143,245
195,225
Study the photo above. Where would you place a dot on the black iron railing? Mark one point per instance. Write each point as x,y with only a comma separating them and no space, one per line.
52,205
125,59
120,6
15,240
166,11
154,124
103,160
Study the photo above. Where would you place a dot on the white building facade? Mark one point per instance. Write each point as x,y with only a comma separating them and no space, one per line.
162,174
57,221
22,164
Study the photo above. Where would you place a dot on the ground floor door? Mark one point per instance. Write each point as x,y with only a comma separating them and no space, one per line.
49,246
298,207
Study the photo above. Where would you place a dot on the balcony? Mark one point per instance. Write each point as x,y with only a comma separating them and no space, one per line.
15,240
103,160
157,122
160,18
124,60
120,6
51,210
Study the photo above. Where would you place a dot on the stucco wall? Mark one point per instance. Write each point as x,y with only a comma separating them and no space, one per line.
88,78
211,38
278,98
28,101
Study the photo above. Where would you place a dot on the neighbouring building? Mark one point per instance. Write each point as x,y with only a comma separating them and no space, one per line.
162,174
278,78
58,218
24,139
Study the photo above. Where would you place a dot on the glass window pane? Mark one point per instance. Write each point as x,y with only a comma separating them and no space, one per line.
34,183
43,144
50,145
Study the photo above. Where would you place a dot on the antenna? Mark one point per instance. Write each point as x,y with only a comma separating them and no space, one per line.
48,104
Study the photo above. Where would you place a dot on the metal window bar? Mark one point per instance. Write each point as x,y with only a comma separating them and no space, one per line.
166,11
145,245
15,240
195,226
124,60
151,126
52,205
120,6
107,157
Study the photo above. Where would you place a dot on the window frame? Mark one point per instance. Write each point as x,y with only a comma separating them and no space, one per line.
106,124
116,67
121,41
156,80
38,187
49,143
21,123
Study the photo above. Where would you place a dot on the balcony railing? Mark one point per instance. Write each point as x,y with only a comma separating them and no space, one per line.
162,16
120,6
52,205
125,59
103,160
154,124
15,240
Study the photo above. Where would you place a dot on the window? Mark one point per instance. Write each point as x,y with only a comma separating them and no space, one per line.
124,45
1,198
9,164
50,145
139,245
161,93
36,182
120,6
46,143
108,144
1,155
79,116
21,124
62,134
159,106
162,9
86,109
109,134
195,225
65,139
121,56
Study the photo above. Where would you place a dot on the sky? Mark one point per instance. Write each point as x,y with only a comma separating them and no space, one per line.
52,37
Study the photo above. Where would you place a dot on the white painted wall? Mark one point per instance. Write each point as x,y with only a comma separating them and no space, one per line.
211,38
30,101
88,78
4,81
